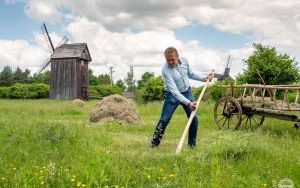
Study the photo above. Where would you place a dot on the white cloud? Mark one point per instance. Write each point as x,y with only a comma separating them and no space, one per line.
20,53
275,23
106,26
143,50
43,10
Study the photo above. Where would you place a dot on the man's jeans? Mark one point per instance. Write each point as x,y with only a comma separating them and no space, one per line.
169,106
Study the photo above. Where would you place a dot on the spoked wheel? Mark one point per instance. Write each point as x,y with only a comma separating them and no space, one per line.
251,120
228,113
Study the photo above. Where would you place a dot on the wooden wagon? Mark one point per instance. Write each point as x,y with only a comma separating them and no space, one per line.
249,104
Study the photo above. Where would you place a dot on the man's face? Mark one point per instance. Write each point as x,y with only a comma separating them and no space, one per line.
172,59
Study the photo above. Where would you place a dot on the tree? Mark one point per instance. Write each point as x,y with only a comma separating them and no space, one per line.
144,80
27,76
154,89
274,68
6,76
129,80
120,84
20,77
93,80
41,78
104,79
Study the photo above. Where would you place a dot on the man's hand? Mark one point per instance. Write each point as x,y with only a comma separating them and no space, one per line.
193,105
210,76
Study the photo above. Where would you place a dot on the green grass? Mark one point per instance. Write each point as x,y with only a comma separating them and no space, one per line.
48,143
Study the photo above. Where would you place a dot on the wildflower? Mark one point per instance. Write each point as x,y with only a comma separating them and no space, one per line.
171,175
14,168
44,167
42,183
41,171
83,185
72,179
73,176
265,185
148,176
3,178
78,184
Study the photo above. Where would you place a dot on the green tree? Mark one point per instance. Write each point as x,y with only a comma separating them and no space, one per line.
121,85
43,77
144,80
154,89
275,68
130,81
93,80
104,79
19,76
6,76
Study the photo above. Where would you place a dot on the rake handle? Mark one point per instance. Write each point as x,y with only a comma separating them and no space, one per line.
180,145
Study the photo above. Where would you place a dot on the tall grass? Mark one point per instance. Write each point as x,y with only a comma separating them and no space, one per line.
48,143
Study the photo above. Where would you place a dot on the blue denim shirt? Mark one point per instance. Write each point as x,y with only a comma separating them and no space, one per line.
176,80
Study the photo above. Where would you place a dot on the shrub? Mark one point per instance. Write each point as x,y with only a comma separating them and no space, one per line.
104,90
152,91
25,91
4,92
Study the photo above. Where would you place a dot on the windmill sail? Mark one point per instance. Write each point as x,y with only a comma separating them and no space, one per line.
47,36
64,40
44,65
50,45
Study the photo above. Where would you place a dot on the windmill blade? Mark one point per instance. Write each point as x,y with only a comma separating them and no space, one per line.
47,37
44,65
64,40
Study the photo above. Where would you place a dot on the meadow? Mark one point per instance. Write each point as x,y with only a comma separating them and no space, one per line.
46,143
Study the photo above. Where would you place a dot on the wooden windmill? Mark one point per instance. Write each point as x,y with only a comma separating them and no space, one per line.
226,74
69,69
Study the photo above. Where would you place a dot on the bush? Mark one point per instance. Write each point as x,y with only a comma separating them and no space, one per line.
215,92
154,89
103,90
4,92
25,91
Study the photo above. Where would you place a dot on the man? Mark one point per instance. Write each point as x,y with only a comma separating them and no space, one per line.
176,73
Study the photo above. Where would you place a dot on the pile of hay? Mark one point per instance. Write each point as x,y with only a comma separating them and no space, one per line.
78,102
115,108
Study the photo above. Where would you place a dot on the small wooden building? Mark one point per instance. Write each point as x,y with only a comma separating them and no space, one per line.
69,71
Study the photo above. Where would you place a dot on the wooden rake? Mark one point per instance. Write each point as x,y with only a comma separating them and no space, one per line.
180,145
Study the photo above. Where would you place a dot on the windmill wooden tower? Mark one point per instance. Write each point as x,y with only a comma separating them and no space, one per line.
69,69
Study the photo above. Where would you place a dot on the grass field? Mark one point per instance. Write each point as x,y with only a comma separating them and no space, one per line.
48,143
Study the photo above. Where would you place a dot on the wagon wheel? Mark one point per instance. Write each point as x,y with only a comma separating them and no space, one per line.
252,120
228,113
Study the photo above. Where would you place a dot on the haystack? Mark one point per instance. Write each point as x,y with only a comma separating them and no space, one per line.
115,108
78,102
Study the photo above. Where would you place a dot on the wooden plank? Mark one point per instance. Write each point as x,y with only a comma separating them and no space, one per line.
262,86
263,96
253,97
287,98
297,96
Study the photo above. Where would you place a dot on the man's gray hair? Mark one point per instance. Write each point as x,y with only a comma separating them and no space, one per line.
170,50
